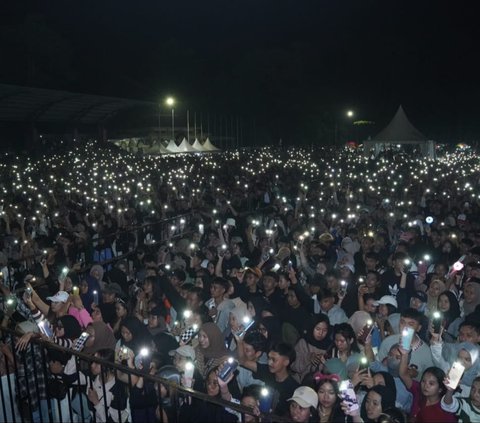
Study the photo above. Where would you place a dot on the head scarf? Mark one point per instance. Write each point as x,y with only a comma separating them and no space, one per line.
454,310
100,271
358,320
259,304
274,329
389,382
216,347
470,308
140,336
432,302
472,372
240,312
325,343
72,329
387,397
103,338
335,366
108,313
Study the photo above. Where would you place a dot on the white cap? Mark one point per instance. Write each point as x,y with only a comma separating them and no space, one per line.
305,397
387,299
59,297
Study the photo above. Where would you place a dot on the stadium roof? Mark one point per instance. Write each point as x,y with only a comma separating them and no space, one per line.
25,104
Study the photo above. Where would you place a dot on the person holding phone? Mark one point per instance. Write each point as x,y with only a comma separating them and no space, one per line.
467,408
377,400
426,394
421,357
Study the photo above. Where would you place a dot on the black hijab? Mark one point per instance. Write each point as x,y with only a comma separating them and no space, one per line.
140,335
326,342
387,398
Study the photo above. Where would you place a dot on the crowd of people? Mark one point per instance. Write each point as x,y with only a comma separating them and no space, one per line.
320,286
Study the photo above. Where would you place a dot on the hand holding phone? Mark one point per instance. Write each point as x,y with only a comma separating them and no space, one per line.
455,375
347,394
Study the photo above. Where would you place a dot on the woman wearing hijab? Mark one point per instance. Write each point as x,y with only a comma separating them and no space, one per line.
471,297
210,351
94,283
101,337
134,337
238,316
437,286
466,353
316,341
378,399
359,320
67,329
271,328
450,309
378,379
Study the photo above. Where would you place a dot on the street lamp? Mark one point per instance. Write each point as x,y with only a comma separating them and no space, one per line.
170,101
350,113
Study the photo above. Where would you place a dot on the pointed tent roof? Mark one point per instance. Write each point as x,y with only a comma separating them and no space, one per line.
172,147
197,145
208,146
185,147
400,129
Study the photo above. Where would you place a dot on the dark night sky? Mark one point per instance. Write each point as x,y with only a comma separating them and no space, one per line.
288,63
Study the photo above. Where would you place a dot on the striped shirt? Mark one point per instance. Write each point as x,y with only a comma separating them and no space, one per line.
463,408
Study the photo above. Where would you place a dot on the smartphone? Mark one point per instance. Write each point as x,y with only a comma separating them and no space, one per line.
437,322
45,328
290,265
138,361
347,394
363,363
188,374
247,324
266,400
455,374
229,367
407,338
366,331
80,342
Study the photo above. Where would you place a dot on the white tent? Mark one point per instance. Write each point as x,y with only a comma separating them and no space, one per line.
208,146
197,145
172,147
185,147
400,131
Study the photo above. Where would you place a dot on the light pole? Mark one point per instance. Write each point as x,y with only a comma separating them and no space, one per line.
159,123
350,114
170,101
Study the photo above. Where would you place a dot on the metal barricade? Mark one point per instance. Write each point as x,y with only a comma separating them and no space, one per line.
30,391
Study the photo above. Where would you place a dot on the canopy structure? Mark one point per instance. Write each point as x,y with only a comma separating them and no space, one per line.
172,147
27,104
208,146
400,131
186,147
197,145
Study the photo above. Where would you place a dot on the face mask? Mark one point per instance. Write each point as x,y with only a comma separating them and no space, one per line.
393,366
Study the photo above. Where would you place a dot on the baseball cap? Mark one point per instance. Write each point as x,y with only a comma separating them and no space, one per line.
231,222
421,296
185,351
305,397
255,270
387,299
59,297
349,266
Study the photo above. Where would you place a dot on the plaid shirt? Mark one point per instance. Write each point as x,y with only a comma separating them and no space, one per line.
31,375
